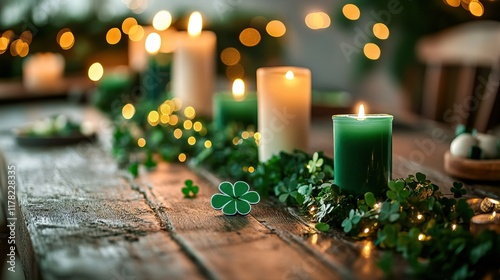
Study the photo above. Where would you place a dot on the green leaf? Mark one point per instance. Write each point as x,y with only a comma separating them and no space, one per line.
251,197
347,225
133,168
243,207
370,199
220,200
391,195
240,188
226,188
322,227
420,177
229,208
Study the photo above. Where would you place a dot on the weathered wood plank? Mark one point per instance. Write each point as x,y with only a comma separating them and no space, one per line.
230,246
78,219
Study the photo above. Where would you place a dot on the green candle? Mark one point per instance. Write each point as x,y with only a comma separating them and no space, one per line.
362,153
235,107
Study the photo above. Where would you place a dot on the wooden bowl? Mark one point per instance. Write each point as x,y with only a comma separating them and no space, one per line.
484,170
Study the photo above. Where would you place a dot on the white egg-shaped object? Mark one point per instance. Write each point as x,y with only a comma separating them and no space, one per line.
488,144
461,145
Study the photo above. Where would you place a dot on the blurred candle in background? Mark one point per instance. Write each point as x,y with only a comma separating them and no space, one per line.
238,106
43,72
362,152
193,67
284,109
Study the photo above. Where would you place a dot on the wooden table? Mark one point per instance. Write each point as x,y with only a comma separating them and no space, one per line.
80,217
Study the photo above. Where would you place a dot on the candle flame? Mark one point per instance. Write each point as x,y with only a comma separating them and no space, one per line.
195,24
289,75
153,43
361,112
492,217
238,89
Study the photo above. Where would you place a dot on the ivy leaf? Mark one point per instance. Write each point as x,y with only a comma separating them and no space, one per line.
190,190
322,227
370,199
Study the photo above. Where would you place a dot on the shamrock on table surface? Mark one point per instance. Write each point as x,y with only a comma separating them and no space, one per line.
234,198
189,190
315,163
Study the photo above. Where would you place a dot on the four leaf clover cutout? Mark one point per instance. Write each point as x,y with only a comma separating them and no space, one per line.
234,198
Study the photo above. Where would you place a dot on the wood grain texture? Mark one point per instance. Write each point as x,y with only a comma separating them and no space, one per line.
78,219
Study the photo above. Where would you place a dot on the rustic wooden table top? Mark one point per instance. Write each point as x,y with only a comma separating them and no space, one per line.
80,217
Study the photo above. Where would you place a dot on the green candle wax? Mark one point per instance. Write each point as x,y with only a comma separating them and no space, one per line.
227,109
362,153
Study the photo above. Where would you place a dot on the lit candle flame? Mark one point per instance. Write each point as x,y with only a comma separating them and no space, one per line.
195,24
492,217
238,89
289,75
153,43
361,112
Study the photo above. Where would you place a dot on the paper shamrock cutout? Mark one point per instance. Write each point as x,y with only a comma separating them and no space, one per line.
189,190
234,198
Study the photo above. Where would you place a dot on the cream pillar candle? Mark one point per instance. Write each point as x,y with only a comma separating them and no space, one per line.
193,70
284,109
43,72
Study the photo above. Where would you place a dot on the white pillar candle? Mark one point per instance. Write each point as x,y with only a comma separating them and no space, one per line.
284,109
43,72
193,69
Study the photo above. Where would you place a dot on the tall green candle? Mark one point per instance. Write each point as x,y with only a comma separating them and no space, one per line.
362,152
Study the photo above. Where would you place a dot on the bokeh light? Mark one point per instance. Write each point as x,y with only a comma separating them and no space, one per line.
153,43
275,28
230,56
26,37
4,44
381,31
162,20
177,133
317,20
113,36
208,144
96,71
250,37
136,33
197,126
153,118
476,8
191,140
351,11
453,3
128,111
182,157
141,142
173,120
188,124
371,51
66,39
189,112
127,24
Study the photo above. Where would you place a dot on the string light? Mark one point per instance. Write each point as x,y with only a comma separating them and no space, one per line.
419,216
208,144
251,169
96,71
371,51
177,133
275,28
113,36
250,37
366,230
317,20
173,120
153,118
351,11
245,134
189,112
188,124
141,142
191,140
182,157
197,126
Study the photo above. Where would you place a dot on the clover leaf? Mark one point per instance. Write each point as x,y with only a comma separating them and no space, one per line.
389,211
458,190
234,198
353,219
189,190
397,191
315,163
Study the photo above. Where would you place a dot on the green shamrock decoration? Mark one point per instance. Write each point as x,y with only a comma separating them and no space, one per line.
189,190
234,198
315,163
